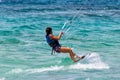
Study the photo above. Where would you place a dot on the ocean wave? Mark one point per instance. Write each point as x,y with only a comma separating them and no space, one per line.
5,32
93,62
10,41
39,9
22,27
78,2
88,3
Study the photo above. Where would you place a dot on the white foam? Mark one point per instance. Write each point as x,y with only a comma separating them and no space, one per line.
87,79
2,78
89,66
91,62
17,70
36,70
52,68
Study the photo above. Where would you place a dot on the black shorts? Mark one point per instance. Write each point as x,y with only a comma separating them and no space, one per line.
57,48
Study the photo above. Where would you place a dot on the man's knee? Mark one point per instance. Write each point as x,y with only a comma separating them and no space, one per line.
70,50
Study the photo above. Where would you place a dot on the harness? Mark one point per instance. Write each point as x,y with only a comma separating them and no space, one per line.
52,43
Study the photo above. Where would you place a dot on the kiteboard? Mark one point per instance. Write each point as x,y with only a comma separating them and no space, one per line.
83,57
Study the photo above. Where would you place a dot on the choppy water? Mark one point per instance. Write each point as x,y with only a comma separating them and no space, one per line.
25,55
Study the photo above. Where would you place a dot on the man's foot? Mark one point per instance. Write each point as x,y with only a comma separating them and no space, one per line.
77,58
82,57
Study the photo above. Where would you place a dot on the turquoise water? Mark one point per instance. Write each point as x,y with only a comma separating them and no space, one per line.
25,55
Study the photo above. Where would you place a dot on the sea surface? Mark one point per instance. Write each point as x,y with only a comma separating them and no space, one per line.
25,55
